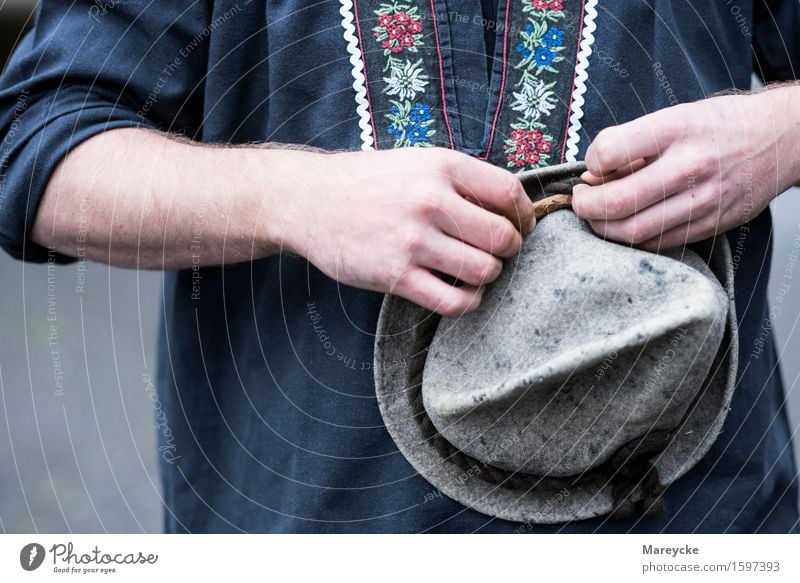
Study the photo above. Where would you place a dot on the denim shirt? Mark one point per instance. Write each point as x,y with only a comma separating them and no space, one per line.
266,368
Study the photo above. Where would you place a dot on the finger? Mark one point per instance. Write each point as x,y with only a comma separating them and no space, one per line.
618,146
683,235
452,257
593,180
420,286
480,228
621,198
495,189
647,224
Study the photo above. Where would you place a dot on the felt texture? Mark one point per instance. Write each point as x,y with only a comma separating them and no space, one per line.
580,347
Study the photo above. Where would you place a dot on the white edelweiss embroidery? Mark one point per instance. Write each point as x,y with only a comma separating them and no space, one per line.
533,101
406,80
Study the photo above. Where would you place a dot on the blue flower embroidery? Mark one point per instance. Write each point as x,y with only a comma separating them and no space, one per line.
410,124
544,57
529,29
554,38
523,50
417,133
421,112
395,131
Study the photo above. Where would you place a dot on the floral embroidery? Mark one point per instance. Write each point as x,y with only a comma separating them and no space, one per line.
534,100
410,124
539,106
552,9
540,50
541,46
399,28
527,148
405,79
554,37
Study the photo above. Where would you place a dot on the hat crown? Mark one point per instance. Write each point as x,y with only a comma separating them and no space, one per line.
491,463
567,361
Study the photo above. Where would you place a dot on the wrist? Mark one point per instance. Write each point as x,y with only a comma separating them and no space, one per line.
284,186
783,114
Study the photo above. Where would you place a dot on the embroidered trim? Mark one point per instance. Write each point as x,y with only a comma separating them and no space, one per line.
399,31
359,82
395,45
540,49
581,76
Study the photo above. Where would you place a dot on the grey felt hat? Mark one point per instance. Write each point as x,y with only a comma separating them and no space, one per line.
592,376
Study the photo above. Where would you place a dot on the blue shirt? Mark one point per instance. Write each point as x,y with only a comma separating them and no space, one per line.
271,423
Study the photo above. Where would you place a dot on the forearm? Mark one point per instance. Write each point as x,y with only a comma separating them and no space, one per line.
781,110
137,198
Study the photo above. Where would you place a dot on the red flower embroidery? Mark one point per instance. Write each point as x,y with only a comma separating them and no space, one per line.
556,5
398,31
526,148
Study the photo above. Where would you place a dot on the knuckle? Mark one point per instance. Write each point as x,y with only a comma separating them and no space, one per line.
451,304
676,124
398,271
639,232
446,162
430,204
431,207
488,270
509,194
626,231
604,139
709,225
412,241
698,160
401,280
617,205
514,190
504,236
705,201
602,150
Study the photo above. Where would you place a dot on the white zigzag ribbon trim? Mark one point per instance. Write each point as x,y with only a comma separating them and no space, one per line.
581,76
359,83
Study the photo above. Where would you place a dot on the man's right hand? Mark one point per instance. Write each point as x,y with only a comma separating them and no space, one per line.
385,221
389,221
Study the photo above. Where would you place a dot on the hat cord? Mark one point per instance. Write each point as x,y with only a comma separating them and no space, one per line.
550,204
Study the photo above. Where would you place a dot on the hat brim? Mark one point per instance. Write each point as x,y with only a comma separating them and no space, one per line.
403,335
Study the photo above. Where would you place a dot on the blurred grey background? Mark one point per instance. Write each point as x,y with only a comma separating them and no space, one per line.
77,439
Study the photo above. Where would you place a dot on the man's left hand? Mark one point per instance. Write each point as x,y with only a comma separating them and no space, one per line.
691,171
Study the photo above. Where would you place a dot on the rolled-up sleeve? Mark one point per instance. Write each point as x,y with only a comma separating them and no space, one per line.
85,68
776,40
